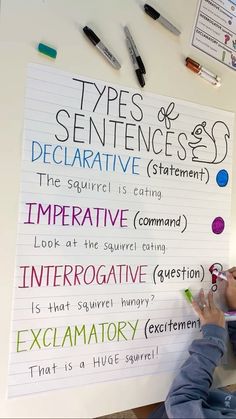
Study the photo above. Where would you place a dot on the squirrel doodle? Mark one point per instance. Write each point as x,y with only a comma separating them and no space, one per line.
210,147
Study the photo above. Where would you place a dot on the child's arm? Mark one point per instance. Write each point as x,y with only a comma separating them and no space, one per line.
230,295
232,334
191,386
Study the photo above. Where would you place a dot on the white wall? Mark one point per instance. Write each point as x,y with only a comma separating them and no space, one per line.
23,24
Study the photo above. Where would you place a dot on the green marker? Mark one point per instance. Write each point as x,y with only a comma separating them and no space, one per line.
44,49
188,295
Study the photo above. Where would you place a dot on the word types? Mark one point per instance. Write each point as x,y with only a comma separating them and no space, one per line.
66,215
75,335
122,104
74,275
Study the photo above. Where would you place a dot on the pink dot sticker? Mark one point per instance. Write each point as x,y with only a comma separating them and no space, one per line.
218,225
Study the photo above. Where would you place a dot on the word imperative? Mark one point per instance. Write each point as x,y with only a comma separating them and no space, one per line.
71,336
66,215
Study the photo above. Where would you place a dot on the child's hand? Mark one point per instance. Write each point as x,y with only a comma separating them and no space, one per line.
207,310
230,289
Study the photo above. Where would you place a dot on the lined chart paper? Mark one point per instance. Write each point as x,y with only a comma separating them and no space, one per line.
124,203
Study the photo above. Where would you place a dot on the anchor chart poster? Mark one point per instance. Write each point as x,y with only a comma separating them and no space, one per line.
215,30
124,203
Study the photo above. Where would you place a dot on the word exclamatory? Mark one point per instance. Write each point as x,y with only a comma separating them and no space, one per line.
75,335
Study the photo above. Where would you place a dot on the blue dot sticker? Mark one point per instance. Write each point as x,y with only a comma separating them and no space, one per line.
222,178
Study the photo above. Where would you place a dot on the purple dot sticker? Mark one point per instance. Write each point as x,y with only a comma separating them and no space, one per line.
218,225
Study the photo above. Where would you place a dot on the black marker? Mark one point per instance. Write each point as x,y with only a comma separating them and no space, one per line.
138,58
156,16
101,47
135,64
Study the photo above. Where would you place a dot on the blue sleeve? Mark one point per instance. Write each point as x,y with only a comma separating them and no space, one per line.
232,334
191,386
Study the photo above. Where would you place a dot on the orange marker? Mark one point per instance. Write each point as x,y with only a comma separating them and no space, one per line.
203,72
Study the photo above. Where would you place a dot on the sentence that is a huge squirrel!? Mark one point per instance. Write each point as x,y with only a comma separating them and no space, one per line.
210,147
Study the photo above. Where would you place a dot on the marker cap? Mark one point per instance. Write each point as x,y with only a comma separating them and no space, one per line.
188,295
192,65
151,12
140,77
140,64
91,35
